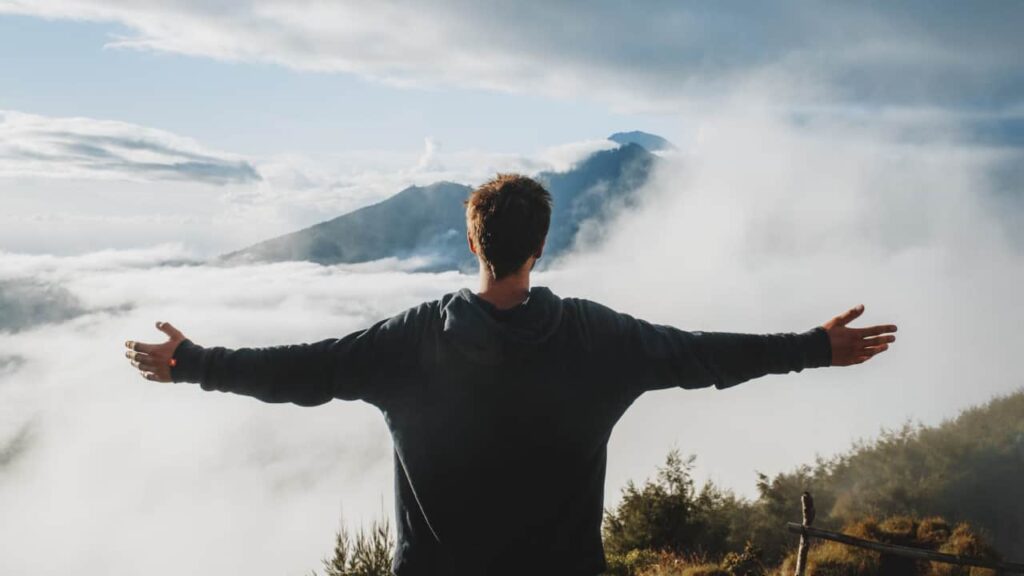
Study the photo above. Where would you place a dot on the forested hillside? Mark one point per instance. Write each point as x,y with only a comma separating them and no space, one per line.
966,470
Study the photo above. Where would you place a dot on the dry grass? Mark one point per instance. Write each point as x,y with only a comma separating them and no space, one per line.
834,559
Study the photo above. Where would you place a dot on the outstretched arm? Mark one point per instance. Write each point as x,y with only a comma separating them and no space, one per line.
362,365
657,356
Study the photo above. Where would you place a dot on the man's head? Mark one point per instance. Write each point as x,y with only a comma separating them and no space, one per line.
507,221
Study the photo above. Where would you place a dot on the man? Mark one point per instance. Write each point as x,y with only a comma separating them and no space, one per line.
501,402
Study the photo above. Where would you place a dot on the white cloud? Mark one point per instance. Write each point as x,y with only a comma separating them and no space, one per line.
108,457
85,148
657,57
428,160
766,226
563,157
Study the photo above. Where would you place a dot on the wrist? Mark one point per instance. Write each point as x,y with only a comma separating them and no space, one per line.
186,365
819,347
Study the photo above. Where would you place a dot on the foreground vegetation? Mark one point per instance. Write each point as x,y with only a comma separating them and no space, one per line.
966,470
830,558
368,553
951,488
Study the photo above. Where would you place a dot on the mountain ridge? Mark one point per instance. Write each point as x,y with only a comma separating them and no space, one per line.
428,221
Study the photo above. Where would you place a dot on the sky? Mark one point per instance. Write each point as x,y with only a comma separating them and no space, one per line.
829,154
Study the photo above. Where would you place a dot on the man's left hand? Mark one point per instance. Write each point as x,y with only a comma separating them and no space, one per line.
856,345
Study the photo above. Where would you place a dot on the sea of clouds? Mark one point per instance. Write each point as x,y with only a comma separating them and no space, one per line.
761,223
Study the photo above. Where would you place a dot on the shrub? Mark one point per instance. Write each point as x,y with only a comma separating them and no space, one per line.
834,559
368,554
670,514
746,563
631,563
963,542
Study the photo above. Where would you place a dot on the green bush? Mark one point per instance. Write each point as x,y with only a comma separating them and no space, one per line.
670,514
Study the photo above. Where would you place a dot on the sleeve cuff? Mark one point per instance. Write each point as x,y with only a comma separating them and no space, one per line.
188,362
818,348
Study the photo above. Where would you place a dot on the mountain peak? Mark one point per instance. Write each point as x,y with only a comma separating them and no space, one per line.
651,142
429,222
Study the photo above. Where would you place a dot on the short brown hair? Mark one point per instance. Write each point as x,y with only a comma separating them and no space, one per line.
508,218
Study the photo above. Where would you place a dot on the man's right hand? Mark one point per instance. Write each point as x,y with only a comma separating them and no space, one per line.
154,361
856,345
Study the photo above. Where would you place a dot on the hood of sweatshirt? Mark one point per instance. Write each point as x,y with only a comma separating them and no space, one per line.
471,325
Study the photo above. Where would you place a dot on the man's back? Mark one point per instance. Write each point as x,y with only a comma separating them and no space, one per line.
501,442
500,418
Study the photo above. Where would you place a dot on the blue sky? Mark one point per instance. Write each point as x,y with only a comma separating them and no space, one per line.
61,68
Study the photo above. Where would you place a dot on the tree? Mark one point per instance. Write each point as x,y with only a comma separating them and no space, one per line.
671,514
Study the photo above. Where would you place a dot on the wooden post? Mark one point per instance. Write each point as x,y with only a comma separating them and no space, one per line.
807,507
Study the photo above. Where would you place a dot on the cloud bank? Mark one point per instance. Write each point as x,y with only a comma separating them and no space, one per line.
25,303
915,53
85,148
769,225
120,471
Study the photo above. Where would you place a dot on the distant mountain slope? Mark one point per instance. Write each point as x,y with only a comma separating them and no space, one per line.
429,221
589,195
417,220
652,142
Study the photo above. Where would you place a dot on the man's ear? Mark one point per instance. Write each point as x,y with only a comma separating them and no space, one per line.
540,251
469,240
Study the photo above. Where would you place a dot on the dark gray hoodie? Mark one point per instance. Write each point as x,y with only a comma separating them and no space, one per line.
500,418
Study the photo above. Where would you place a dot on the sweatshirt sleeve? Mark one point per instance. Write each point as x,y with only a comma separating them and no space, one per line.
365,365
653,356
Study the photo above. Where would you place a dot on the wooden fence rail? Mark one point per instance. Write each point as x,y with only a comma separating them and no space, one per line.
807,532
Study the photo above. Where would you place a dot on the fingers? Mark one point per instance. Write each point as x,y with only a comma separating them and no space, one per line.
165,327
872,350
156,376
868,353
136,355
879,340
850,349
146,362
172,332
850,315
140,346
874,330
154,366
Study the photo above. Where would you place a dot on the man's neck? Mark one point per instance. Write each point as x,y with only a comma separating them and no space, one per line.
506,293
